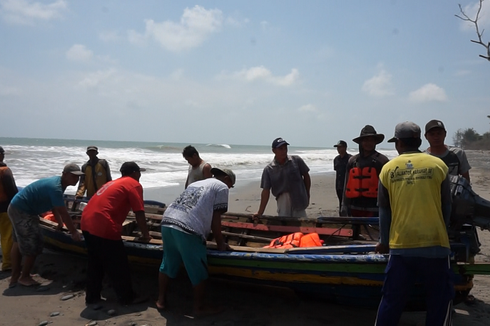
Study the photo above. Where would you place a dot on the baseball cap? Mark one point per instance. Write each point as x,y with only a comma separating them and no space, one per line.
434,124
92,148
278,142
130,167
340,143
404,130
73,169
229,173
2,150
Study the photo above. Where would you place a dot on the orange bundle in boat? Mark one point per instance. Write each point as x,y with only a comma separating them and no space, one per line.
310,240
286,241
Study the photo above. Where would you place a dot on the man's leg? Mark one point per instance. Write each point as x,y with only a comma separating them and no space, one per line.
25,276
117,266
163,281
398,281
16,259
438,281
95,269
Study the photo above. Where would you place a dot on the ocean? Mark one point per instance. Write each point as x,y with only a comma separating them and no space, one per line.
33,158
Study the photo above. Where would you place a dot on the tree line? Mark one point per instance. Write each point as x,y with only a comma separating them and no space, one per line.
470,139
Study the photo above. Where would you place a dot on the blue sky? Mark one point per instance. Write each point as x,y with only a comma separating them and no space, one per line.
238,72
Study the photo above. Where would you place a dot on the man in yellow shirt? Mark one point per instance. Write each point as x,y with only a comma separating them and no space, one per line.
414,208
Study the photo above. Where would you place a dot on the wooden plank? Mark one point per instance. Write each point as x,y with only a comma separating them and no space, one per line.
289,229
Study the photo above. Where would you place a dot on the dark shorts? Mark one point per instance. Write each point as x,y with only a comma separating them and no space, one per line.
27,232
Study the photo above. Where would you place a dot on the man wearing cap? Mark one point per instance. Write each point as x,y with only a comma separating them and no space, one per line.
198,168
101,224
361,179
340,167
39,197
8,189
186,225
414,209
97,172
454,157
288,179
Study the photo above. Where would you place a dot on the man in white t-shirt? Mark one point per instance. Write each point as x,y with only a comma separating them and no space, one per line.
186,224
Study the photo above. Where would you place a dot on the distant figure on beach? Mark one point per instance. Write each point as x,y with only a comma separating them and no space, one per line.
8,189
101,225
186,225
38,197
288,179
361,179
454,157
198,168
414,211
97,172
340,167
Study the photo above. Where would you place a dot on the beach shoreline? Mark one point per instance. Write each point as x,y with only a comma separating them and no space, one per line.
64,275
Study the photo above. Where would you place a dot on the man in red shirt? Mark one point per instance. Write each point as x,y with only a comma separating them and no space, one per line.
101,225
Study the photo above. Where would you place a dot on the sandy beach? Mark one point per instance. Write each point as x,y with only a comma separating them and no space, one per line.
61,299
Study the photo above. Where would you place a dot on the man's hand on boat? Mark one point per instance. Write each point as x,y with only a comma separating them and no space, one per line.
223,246
381,248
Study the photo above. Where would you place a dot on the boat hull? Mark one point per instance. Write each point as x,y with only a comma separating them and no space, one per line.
329,274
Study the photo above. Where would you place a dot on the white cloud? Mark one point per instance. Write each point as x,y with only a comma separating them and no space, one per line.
379,85
428,92
80,53
95,79
28,13
262,73
195,26
308,108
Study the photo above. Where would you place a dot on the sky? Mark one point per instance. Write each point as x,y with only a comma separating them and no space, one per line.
239,72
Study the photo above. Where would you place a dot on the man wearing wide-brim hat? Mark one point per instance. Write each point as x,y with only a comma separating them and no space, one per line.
361,180
97,173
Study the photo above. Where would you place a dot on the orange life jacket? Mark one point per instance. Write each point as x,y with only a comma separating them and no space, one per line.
310,240
362,182
295,240
286,241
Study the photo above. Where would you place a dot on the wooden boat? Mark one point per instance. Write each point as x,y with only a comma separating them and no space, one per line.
344,269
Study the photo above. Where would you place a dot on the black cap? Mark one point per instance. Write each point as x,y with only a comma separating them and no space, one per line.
130,167
432,124
278,142
2,150
340,143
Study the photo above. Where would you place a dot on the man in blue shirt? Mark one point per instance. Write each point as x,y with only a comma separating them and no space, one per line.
24,209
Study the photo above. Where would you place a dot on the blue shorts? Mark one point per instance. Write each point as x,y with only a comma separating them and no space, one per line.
180,247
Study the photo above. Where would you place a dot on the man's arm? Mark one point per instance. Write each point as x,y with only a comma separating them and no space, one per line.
9,185
264,199
446,200
307,181
206,171
383,246
81,183
141,220
108,171
65,217
216,228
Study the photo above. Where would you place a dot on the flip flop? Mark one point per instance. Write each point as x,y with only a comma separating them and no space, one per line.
32,285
